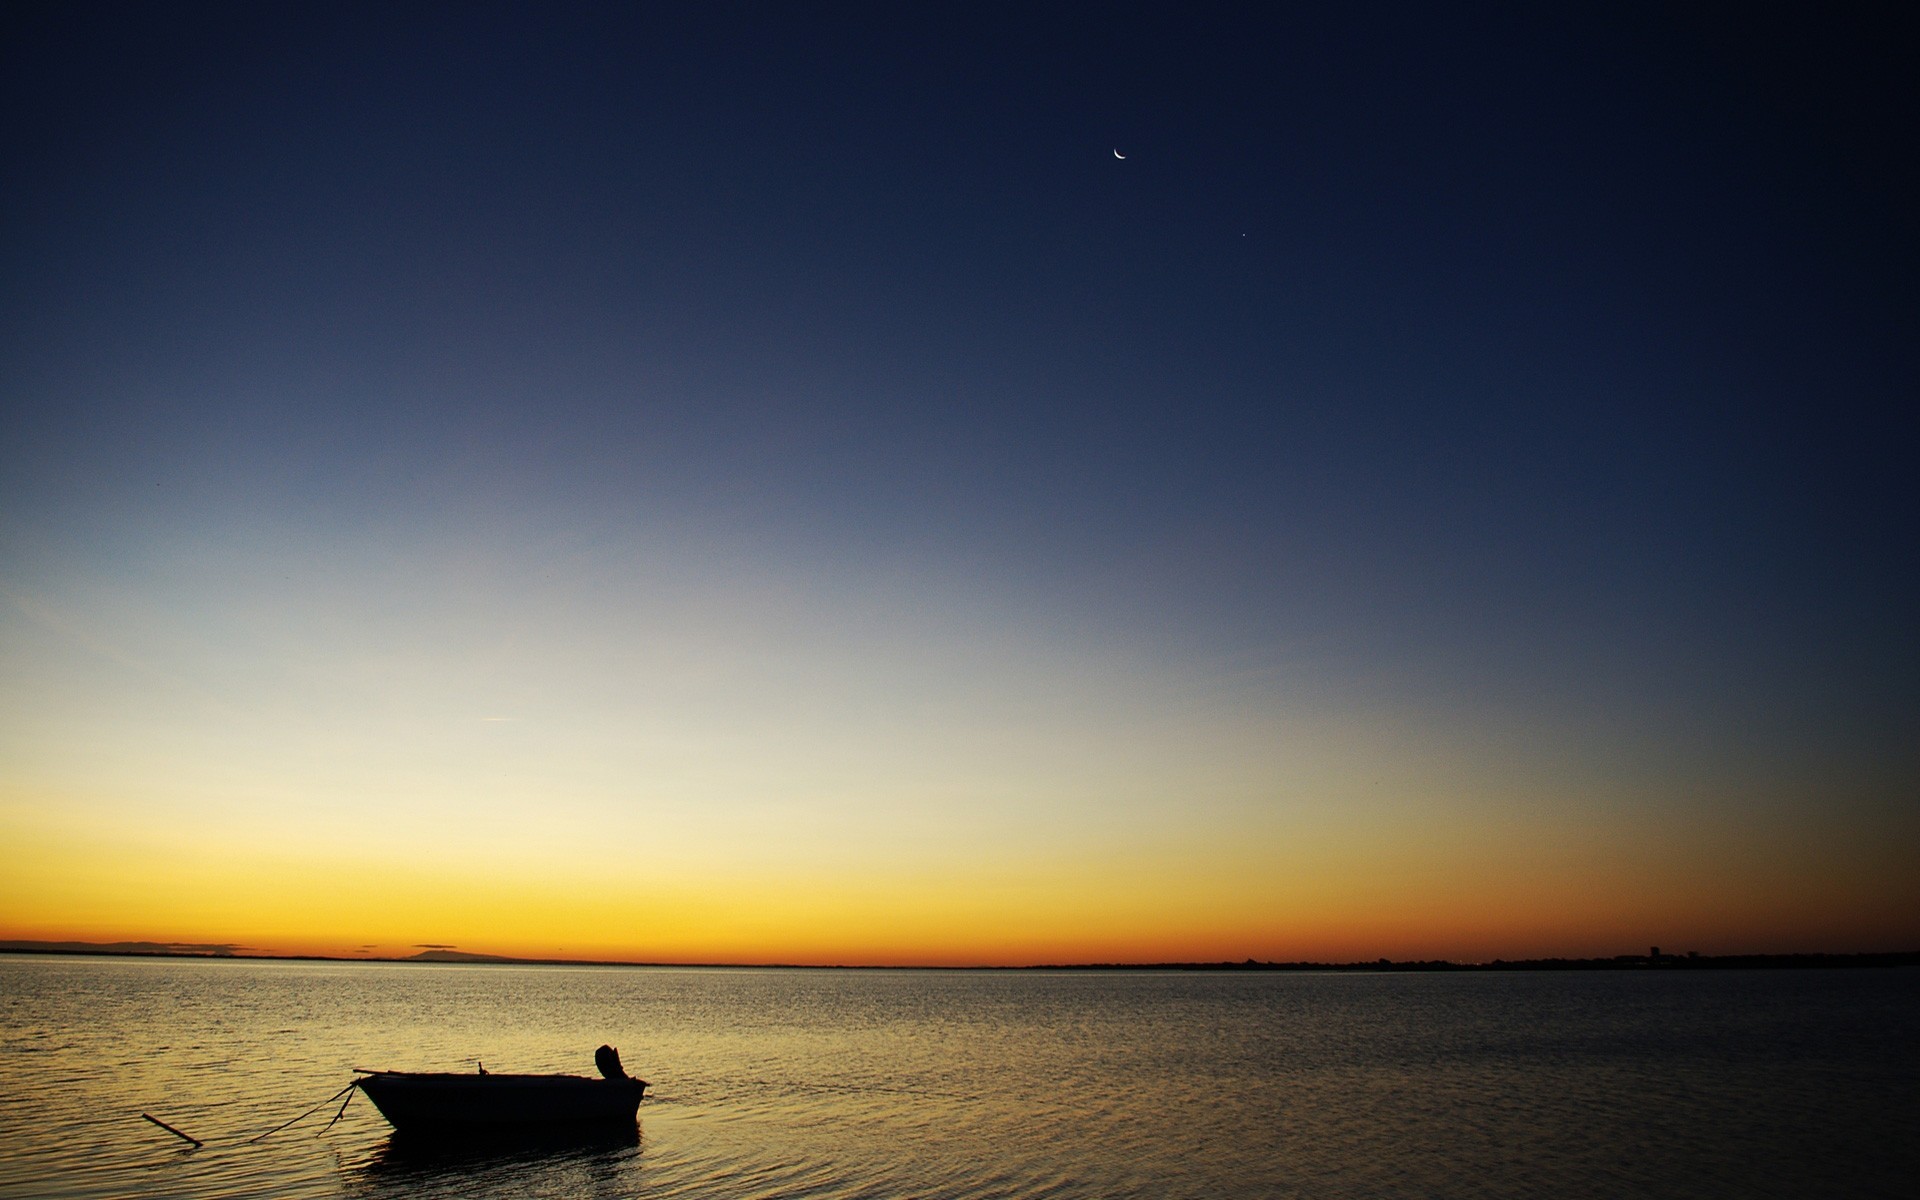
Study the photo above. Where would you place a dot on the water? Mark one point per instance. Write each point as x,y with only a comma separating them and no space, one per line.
958,1085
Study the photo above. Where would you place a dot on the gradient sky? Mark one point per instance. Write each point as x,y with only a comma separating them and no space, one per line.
766,482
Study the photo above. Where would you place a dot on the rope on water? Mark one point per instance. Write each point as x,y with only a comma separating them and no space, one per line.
343,1109
346,1091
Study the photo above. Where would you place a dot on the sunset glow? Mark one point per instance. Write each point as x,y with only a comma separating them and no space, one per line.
452,500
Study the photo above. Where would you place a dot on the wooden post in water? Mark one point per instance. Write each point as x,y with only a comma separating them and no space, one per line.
170,1129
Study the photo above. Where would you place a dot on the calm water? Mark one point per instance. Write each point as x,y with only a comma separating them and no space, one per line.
952,1085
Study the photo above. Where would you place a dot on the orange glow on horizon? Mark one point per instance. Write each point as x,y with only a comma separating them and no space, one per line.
935,935
1357,880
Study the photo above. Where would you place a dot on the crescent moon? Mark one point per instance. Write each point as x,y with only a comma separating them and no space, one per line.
1119,155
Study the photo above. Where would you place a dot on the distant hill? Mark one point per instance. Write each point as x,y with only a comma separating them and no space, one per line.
458,956
439,954
201,949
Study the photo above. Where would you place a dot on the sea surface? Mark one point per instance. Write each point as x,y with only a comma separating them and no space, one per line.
953,1085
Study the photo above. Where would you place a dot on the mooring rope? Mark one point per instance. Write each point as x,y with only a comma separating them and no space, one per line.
343,1108
345,1091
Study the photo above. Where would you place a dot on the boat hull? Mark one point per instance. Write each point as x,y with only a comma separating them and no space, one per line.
468,1105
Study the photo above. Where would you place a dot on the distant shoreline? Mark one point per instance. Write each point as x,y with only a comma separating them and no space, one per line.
1622,962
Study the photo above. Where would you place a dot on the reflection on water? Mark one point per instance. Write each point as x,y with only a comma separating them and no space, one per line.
600,1165
403,1153
954,1085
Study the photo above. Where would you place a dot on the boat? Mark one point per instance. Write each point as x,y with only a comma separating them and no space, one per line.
449,1104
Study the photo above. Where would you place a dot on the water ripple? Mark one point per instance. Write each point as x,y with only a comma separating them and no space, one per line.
974,1086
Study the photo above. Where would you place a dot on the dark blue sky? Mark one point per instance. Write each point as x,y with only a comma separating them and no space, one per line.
1500,306
1535,358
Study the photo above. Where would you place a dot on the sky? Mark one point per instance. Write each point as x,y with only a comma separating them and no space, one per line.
960,484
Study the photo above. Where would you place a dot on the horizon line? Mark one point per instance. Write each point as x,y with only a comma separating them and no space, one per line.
468,958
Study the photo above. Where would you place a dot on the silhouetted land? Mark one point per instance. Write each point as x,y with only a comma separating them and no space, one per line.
1620,962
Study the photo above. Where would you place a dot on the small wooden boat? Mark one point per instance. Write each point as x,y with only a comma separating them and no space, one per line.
446,1104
